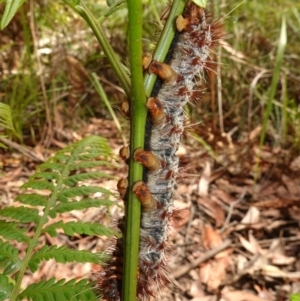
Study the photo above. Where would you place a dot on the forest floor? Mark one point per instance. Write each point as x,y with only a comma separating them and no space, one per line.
239,233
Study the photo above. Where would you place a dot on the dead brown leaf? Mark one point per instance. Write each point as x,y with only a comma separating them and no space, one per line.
214,208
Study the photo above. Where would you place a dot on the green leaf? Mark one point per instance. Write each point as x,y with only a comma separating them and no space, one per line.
11,8
63,255
11,230
295,297
9,260
74,179
32,199
80,191
22,214
5,117
60,291
49,165
201,3
81,228
5,287
39,185
90,164
83,204
47,175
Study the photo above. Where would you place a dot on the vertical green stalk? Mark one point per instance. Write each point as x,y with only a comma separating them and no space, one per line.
138,115
165,41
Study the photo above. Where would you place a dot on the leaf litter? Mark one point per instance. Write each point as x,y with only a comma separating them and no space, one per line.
238,238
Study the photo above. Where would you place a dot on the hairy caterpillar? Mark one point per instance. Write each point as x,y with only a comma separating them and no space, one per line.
180,79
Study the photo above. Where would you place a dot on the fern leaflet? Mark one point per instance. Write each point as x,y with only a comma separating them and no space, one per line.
71,228
63,255
22,214
5,287
79,205
32,199
11,230
61,290
9,260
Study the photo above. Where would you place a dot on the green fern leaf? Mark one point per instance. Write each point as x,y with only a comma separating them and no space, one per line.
32,199
5,287
9,260
6,117
63,255
11,230
59,291
22,214
39,185
90,155
61,157
81,228
83,204
74,179
72,192
90,164
46,175
50,165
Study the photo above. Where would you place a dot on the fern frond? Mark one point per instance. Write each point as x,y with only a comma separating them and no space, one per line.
5,287
52,165
54,177
74,179
5,119
48,175
38,185
32,199
5,116
61,290
89,155
11,230
63,255
9,260
81,228
72,192
79,205
90,164
22,214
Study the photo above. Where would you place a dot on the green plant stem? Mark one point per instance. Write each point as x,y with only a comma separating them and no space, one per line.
165,41
137,136
123,77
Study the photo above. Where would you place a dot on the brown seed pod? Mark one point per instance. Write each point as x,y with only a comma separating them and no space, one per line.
124,153
122,187
156,110
147,159
142,192
163,71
